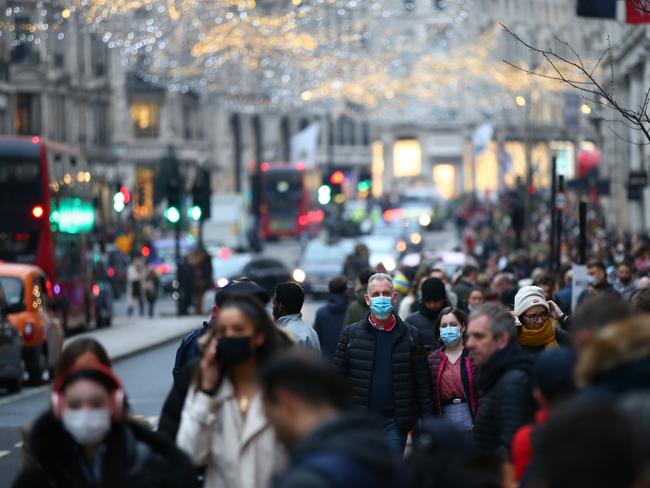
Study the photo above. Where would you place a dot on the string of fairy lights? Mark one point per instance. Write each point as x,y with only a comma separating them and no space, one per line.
290,52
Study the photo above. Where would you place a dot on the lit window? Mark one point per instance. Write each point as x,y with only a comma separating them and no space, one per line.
144,115
407,158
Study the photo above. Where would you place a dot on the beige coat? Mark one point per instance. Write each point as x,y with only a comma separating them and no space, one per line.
238,451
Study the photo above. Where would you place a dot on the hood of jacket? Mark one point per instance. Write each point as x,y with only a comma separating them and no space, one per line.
504,360
355,434
620,352
337,304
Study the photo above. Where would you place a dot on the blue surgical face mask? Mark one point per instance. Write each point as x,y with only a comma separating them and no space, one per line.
450,335
381,307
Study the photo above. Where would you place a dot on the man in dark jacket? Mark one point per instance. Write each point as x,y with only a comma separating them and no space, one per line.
434,299
385,361
358,309
329,317
504,378
307,403
466,283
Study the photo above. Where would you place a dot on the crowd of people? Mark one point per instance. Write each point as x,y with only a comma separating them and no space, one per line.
413,380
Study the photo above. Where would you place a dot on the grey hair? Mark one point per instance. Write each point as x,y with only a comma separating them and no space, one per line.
501,320
380,277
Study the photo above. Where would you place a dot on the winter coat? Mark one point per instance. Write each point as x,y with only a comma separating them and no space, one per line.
357,310
355,358
425,321
348,451
134,458
617,360
329,323
238,451
437,362
462,290
626,291
301,330
506,403
170,416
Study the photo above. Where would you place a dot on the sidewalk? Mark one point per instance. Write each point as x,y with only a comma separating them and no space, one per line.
129,335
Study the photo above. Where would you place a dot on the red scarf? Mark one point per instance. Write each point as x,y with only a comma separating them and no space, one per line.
388,327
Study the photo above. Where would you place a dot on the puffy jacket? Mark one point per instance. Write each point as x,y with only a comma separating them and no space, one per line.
437,362
355,357
329,323
348,451
507,402
425,321
134,458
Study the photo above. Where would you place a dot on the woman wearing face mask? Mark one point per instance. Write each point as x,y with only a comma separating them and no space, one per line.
540,320
85,440
453,375
223,426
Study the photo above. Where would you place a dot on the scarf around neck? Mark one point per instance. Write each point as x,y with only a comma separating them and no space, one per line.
542,337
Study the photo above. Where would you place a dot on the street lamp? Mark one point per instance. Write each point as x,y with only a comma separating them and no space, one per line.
586,109
520,101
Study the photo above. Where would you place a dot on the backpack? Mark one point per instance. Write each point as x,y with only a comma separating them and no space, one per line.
189,348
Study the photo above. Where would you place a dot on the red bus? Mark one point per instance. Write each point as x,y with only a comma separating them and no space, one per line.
288,201
47,219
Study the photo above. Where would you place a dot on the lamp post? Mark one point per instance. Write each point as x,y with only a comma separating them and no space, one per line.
525,102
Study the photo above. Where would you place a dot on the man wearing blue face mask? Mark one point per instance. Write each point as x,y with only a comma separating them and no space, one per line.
385,361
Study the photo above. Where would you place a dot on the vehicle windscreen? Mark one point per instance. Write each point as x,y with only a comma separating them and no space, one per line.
282,191
13,288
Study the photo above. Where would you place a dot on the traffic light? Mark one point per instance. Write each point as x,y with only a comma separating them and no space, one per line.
201,193
364,184
335,180
173,213
121,198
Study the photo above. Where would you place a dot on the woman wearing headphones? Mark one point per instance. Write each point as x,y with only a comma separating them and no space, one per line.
85,440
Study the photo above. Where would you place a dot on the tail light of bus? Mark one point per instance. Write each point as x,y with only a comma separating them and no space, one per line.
303,220
28,331
37,211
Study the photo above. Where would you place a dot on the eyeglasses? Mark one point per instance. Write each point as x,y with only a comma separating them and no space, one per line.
537,317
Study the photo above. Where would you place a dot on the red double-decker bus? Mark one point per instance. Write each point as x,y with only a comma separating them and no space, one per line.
47,219
288,201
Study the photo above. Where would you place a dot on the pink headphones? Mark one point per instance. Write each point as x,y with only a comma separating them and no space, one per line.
117,395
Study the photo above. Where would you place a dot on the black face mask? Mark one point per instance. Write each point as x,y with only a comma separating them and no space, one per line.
234,350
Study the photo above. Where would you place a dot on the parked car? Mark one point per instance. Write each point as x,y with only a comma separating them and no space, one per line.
27,292
320,262
266,272
11,346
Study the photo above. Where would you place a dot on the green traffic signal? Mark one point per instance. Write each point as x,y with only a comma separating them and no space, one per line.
194,213
324,194
364,185
172,214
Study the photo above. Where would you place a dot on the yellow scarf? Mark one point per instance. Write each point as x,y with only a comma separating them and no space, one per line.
542,337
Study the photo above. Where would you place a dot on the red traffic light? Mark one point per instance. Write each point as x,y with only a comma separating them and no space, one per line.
145,251
127,195
337,178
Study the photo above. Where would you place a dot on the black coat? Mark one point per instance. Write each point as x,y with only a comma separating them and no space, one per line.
135,457
506,402
355,357
170,417
329,323
425,321
350,450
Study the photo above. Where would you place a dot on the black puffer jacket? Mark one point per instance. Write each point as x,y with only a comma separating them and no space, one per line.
425,321
507,402
355,357
135,458
349,450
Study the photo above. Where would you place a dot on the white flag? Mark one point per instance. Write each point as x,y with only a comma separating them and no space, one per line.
304,146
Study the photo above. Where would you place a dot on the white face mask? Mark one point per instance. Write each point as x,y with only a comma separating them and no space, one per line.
87,426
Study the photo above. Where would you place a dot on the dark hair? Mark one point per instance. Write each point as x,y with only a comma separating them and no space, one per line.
338,285
599,432
460,315
291,296
545,280
468,270
596,311
365,275
479,289
596,264
253,309
308,377
640,300
78,348
626,262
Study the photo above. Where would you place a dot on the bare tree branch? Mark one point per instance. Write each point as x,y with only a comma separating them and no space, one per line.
638,119
640,144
